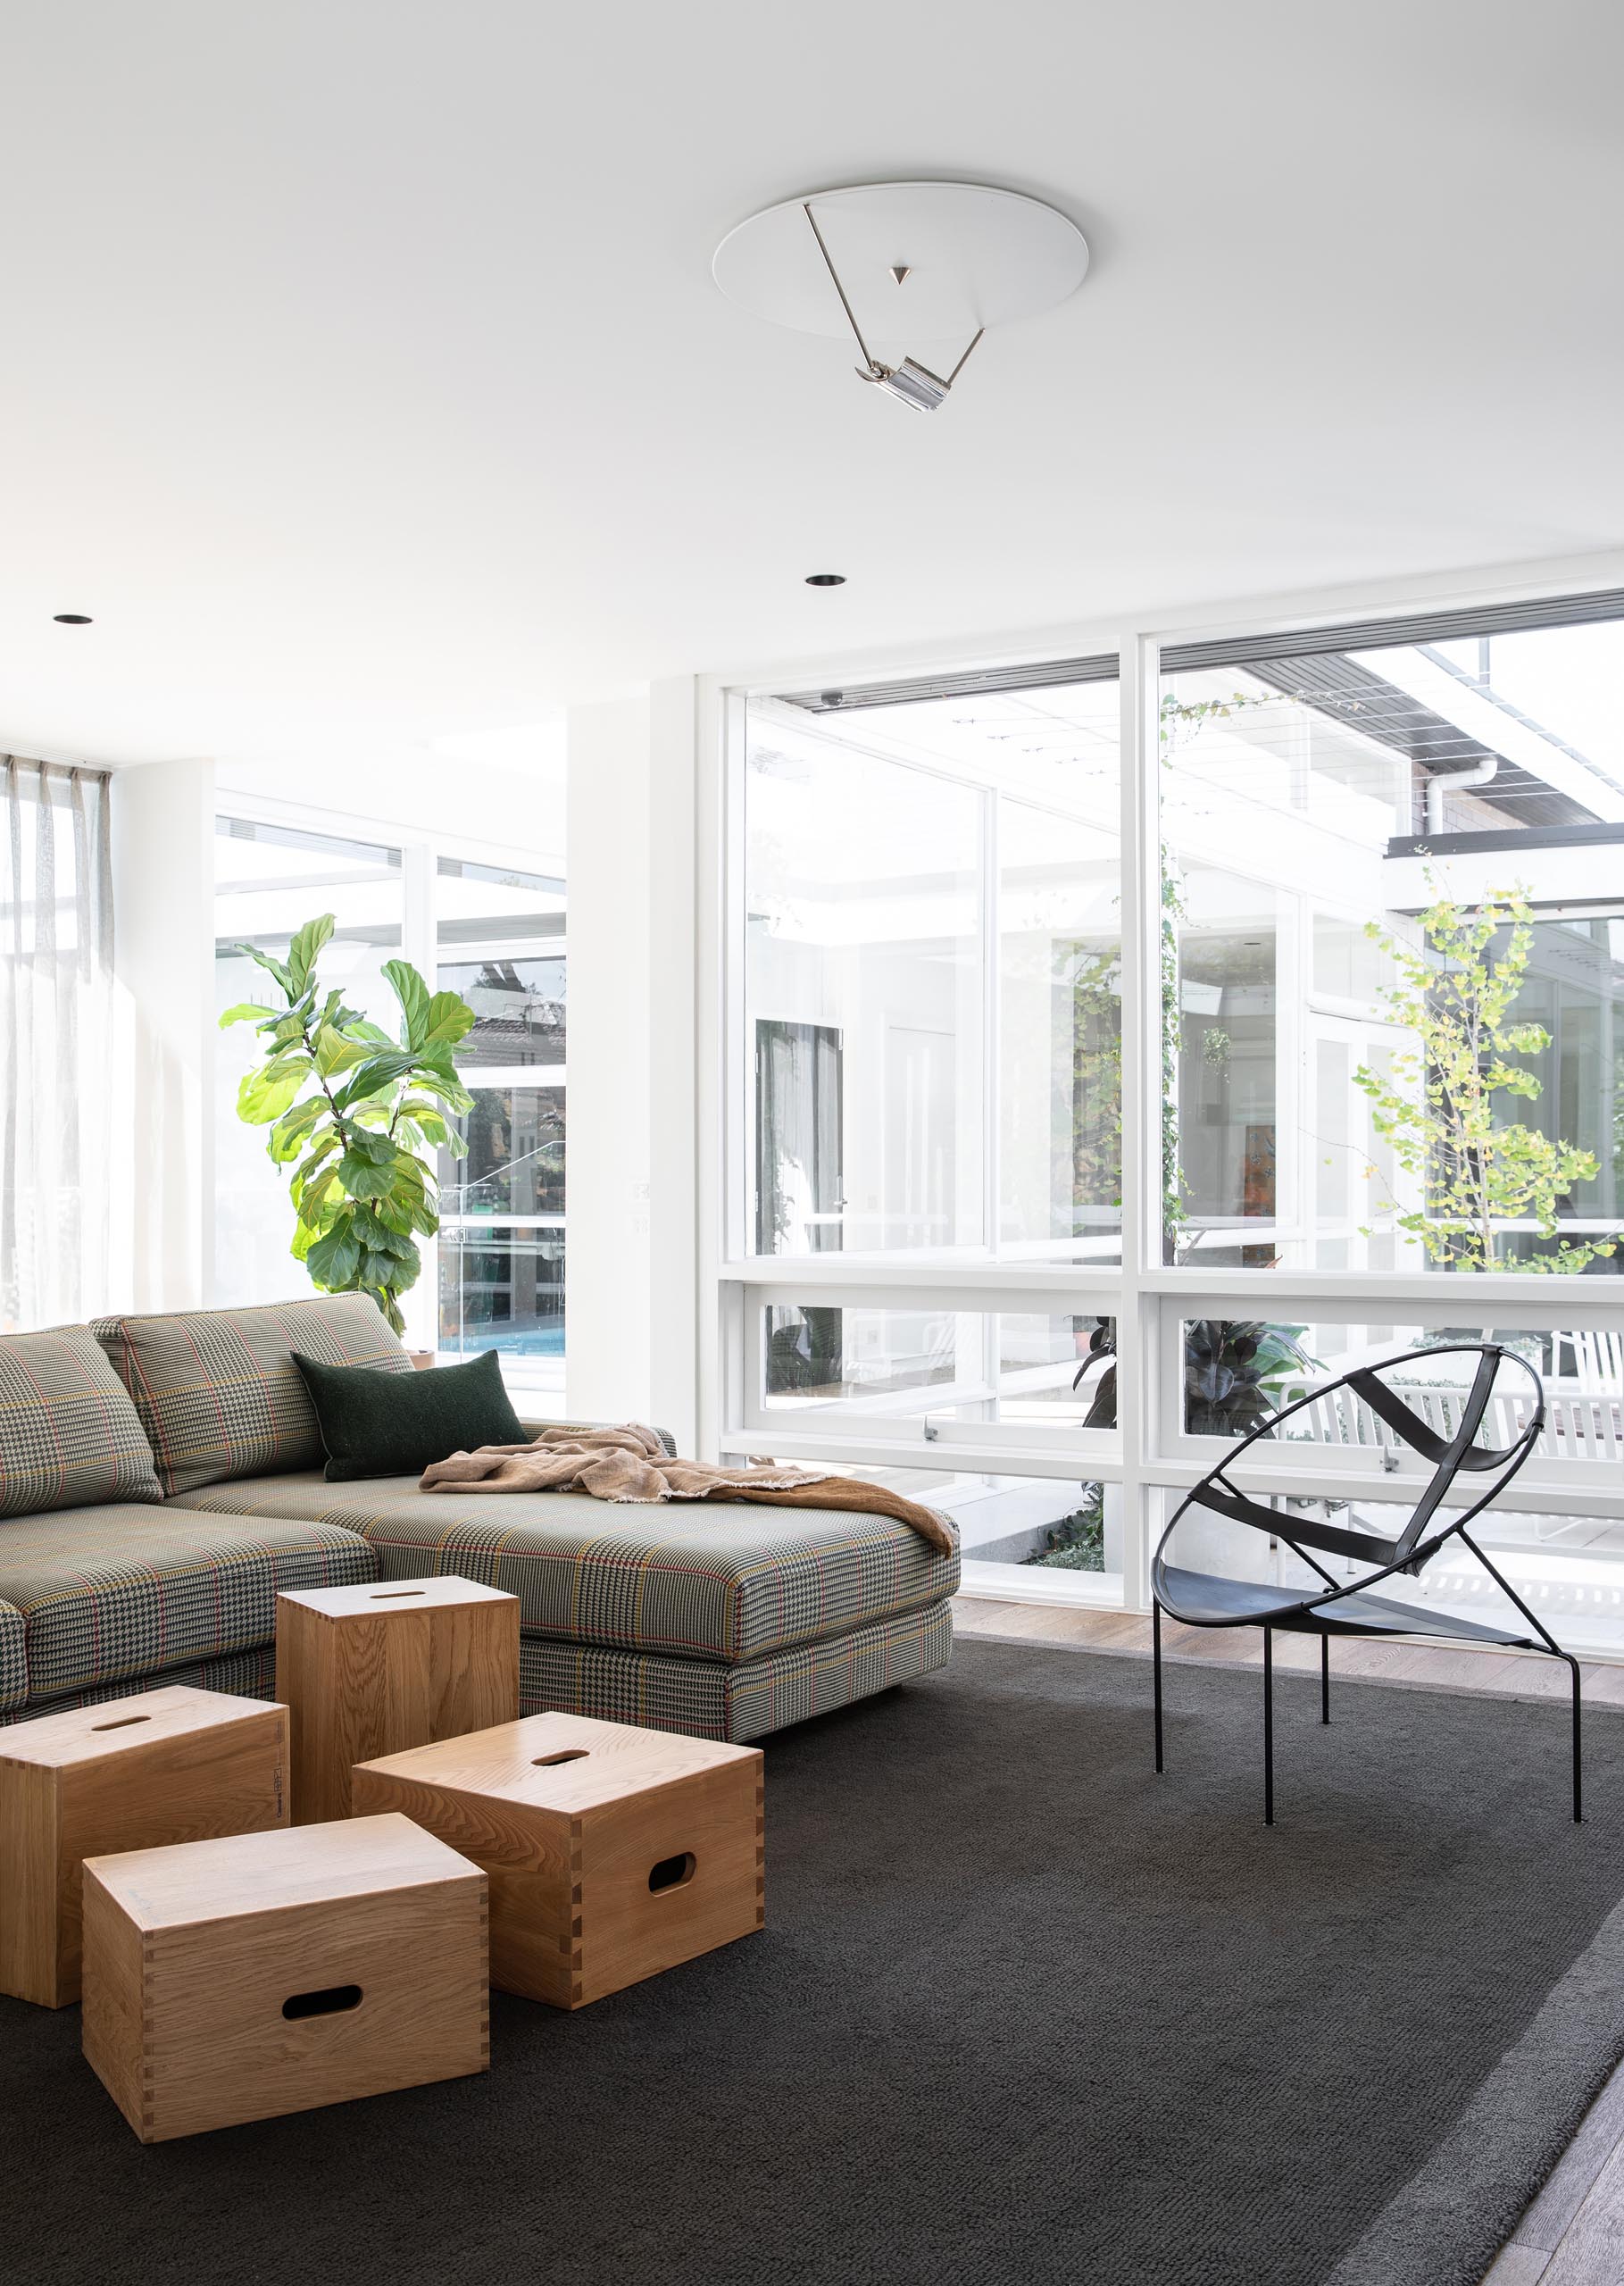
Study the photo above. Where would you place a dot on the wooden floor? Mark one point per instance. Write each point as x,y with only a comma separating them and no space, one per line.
1573,2235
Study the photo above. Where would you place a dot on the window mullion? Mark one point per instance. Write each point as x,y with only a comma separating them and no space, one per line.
1141,1099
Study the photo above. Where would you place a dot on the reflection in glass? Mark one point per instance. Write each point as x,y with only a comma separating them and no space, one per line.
502,1287
978,1365
519,1008
515,1163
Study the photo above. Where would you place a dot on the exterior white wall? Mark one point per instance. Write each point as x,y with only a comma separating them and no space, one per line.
162,896
632,1278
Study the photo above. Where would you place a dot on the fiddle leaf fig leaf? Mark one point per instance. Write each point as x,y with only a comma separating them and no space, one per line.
301,953
413,994
359,1113
263,1095
450,1020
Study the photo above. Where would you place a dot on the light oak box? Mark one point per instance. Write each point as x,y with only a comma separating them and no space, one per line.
273,1972
369,1670
612,1852
175,1764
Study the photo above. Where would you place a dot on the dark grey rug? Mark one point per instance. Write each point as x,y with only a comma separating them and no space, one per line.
1021,2012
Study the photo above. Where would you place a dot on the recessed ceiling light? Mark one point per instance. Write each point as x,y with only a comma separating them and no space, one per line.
825,579
73,618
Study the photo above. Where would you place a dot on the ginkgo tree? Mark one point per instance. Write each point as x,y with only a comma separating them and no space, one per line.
357,1114
1442,1106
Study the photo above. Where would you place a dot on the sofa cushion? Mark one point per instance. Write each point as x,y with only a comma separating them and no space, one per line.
304,1494
13,1658
218,1392
697,1579
126,1590
68,1433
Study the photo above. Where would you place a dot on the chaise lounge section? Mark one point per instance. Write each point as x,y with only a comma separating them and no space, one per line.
722,1622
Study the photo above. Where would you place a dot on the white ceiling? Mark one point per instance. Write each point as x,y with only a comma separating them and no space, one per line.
364,377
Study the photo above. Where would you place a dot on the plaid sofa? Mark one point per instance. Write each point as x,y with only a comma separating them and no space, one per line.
161,1484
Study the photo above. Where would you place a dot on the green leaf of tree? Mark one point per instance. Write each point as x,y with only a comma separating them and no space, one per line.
450,1020
263,1095
306,946
413,994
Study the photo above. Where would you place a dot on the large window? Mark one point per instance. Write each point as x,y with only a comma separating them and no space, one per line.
1080,1112
1386,816
495,1278
269,880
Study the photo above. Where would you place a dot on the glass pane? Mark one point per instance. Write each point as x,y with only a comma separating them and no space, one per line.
515,1161
502,1286
485,905
269,880
1394,960
956,1366
1238,1372
518,1006
1063,1535
982,882
863,974
1060,1019
501,938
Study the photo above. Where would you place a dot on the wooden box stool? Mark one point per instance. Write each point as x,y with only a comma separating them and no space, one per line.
389,1664
172,1764
238,1980
612,1852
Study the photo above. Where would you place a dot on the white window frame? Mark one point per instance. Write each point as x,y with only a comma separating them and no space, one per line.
1149,1457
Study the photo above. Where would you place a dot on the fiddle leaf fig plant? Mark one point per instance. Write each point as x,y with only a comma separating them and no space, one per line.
357,1114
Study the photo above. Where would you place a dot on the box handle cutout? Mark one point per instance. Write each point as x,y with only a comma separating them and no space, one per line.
331,2001
566,1754
671,1873
124,1723
387,1595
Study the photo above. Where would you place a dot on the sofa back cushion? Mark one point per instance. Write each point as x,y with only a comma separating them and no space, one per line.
70,1438
218,1392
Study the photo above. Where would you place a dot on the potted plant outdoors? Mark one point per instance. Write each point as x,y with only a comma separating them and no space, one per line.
361,1114
1235,1374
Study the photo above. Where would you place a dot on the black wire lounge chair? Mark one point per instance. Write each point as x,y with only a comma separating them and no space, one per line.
1207,1600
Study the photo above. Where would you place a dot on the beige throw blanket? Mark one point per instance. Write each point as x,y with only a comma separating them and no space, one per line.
631,1463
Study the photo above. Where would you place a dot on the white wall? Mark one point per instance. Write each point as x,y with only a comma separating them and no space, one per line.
632,1291
163,901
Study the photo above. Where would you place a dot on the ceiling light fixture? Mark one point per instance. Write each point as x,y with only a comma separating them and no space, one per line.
910,382
930,261
72,618
825,579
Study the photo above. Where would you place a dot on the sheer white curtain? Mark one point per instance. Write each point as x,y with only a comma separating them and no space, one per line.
55,1041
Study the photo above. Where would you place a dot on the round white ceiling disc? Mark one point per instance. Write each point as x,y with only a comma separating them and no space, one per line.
972,257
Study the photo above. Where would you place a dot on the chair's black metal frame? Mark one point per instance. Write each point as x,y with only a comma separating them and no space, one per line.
1203,1600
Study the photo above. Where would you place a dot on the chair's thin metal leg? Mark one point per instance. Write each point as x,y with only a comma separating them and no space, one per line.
1579,1806
1269,1726
1325,1678
1156,1633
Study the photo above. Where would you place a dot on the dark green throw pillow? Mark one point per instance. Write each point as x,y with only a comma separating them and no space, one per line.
394,1424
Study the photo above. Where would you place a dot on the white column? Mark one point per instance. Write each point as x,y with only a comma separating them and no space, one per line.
162,920
630,1323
